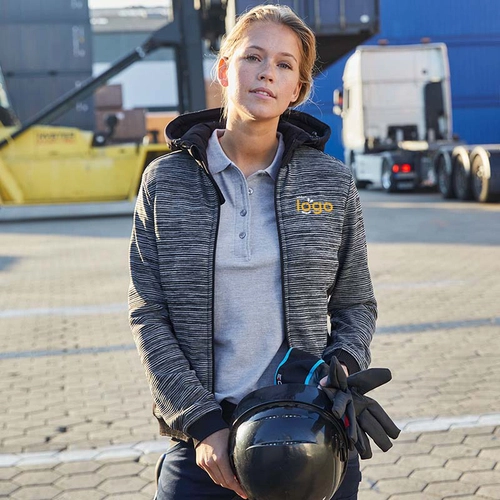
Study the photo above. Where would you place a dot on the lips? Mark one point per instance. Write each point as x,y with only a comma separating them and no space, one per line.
263,91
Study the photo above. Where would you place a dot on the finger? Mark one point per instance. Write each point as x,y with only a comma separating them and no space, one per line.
367,380
337,377
229,478
214,473
372,427
340,402
363,445
390,428
352,431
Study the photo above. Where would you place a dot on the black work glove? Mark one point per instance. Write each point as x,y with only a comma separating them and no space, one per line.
372,420
337,390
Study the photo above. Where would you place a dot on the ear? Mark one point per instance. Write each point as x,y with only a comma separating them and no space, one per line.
296,92
222,68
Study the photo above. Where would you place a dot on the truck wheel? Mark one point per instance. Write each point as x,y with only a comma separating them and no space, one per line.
485,173
444,179
461,176
388,182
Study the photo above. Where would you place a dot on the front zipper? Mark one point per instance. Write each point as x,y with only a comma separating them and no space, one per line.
212,385
282,265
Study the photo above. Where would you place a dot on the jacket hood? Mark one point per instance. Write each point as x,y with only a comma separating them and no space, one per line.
195,129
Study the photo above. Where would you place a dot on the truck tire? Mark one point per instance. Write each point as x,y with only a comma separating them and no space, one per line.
485,173
444,171
388,182
462,183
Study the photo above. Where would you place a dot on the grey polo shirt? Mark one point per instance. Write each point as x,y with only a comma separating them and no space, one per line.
248,307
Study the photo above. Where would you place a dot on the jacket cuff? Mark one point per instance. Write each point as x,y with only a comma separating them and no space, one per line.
208,424
346,359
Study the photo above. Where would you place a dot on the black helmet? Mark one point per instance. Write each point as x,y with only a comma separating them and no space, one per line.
286,445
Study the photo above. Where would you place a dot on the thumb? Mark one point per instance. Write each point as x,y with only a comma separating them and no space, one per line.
367,380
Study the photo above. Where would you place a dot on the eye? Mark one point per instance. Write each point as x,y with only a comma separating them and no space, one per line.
285,65
251,57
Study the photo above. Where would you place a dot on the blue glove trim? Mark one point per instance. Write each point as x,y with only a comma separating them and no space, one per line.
283,361
312,370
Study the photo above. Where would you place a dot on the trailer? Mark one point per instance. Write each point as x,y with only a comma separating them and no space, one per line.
397,125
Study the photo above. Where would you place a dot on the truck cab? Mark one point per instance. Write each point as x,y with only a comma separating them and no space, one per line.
396,110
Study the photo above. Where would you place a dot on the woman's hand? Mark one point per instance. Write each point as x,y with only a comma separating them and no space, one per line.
212,456
322,382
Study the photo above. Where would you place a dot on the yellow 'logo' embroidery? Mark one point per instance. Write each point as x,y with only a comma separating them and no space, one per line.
316,207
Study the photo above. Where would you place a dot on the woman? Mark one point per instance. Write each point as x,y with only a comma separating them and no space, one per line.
246,237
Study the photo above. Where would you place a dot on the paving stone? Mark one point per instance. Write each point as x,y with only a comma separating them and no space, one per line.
493,453
482,477
468,464
411,448
8,473
89,494
122,485
467,497
128,496
390,457
150,458
372,495
420,461
79,481
483,441
7,487
450,488
445,437
386,471
434,475
77,467
454,450
149,489
414,496
36,477
44,492
490,491
120,469
400,485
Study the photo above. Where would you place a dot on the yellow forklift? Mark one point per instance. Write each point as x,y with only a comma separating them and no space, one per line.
56,171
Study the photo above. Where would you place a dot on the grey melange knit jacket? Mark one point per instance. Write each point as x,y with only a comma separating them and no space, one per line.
172,251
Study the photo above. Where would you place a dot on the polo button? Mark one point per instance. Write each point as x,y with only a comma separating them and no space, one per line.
243,213
242,235
250,190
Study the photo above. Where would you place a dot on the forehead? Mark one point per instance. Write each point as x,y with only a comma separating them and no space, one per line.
271,36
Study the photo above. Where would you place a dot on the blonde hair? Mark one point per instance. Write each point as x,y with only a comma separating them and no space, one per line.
278,14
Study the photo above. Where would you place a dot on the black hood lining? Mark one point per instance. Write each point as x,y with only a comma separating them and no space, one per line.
195,129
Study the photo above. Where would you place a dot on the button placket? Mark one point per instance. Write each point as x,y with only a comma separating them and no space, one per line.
242,233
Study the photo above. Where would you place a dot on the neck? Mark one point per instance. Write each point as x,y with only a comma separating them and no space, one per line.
250,146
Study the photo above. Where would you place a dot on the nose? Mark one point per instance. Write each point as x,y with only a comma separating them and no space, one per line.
266,73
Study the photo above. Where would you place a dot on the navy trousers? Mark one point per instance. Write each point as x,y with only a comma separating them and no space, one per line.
181,479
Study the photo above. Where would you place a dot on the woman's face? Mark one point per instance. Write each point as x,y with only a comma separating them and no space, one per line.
262,75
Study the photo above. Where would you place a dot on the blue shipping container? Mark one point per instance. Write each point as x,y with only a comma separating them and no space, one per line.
470,29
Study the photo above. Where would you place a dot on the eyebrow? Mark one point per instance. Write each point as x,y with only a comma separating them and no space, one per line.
286,54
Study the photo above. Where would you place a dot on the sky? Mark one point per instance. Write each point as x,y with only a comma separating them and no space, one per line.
106,4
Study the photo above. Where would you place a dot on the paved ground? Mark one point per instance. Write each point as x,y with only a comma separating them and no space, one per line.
75,417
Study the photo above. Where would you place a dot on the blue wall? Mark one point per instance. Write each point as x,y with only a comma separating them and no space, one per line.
470,29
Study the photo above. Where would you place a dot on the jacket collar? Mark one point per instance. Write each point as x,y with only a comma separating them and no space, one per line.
192,132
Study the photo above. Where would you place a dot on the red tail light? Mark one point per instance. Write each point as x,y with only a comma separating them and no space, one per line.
395,168
406,167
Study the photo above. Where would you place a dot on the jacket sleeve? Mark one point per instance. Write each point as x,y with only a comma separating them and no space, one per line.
184,404
352,306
